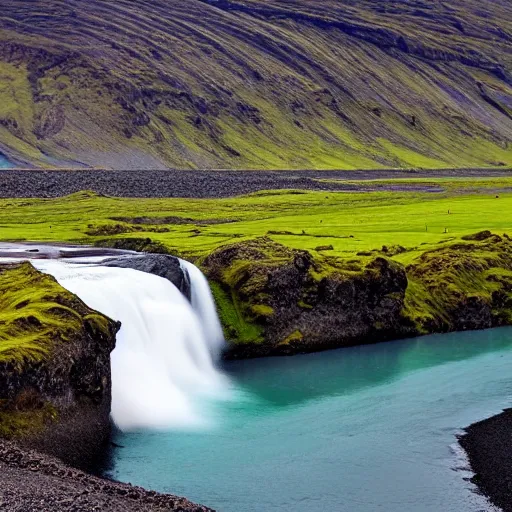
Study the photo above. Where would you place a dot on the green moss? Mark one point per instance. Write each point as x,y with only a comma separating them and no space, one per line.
293,337
35,313
236,327
136,244
16,423
262,310
443,279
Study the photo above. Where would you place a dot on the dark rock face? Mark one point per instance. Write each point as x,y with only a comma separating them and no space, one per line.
162,265
339,312
57,398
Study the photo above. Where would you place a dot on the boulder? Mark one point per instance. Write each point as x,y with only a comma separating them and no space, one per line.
162,265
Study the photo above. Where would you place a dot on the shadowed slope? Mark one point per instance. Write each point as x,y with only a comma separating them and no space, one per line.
256,84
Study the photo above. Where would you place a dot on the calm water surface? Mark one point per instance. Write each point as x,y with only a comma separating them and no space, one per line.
363,429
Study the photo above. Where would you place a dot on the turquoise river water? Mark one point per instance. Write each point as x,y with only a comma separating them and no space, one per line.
369,428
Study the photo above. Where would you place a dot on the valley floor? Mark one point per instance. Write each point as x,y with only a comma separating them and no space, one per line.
432,226
217,184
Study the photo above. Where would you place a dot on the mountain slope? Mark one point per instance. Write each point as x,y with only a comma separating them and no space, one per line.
256,83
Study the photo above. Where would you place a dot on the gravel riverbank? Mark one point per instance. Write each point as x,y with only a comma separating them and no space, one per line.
207,184
488,445
30,481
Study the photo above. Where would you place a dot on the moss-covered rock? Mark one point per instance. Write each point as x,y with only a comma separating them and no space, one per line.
55,382
268,294
465,285
283,292
135,244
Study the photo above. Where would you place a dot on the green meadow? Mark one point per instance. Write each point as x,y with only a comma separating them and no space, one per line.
353,222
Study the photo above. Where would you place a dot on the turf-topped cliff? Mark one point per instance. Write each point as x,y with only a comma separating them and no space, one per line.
55,383
276,300
256,84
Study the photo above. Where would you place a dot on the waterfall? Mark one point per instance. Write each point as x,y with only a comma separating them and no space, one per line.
163,368
204,305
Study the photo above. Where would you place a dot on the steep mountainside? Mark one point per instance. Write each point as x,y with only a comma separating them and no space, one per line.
256,83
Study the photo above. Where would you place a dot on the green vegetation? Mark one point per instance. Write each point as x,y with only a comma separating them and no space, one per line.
458,279
256,84
35,313
39,323
245,243
351,222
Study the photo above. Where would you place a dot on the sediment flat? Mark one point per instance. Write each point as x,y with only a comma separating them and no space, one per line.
488,445
213,184
30,481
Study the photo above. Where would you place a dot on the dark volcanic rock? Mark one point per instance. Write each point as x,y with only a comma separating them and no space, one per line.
30,481
488,445
202,184
162,265
301,310
55,397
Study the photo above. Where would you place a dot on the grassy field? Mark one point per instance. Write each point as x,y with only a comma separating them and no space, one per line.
348,235
254,84
349,222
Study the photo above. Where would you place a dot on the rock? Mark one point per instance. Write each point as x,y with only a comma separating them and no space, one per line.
55,392
162,265
482,235
332,310
487,444
336,303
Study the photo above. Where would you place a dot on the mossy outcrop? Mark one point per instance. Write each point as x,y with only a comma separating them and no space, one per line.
55,381
277,300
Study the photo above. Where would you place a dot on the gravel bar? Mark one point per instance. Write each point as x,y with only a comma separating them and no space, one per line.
30,481
201,184
488,445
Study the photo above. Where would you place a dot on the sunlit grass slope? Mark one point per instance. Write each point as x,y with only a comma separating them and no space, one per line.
256,83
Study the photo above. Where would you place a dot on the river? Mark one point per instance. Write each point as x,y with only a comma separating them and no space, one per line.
359,429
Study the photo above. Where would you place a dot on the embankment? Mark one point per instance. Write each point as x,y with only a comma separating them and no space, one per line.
274,300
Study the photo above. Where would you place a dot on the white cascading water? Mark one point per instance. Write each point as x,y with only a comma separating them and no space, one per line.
204,305
163,364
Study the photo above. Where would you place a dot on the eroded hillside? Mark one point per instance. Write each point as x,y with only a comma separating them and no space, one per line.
256,83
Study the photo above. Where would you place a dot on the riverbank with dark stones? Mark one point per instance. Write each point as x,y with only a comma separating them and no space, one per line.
31,481
488,445
213,184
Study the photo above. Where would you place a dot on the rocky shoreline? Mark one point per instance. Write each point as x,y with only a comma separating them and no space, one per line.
31,481
488,445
